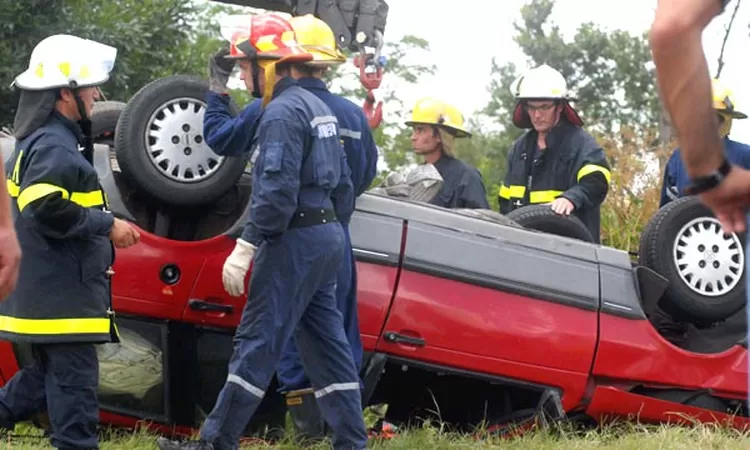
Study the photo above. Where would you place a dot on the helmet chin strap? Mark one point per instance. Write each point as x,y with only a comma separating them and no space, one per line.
85,123
252,55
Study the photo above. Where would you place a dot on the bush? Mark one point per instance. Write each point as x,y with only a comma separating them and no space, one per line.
637,162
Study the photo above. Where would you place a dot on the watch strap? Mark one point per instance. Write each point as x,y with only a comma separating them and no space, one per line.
705,183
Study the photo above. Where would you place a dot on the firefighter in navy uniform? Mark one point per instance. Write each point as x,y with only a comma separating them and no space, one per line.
229,135
675,176
436,126
61,306
556,161
302,194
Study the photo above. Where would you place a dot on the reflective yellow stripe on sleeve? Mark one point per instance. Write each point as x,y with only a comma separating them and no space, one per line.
12,188
508,192
37,191
588,169
54,326
544,196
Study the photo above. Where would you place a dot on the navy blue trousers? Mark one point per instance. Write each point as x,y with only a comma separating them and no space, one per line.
291,374
61,379
292,292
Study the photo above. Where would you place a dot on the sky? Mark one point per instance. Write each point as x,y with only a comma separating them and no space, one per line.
491,29
465,36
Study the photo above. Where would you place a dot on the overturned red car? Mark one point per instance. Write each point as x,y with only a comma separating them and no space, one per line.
467,316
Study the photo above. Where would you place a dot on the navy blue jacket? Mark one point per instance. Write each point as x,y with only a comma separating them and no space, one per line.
676,178
463,186
231,136
299,164
63,292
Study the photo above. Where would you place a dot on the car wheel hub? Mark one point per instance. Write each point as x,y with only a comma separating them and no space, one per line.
708,263
175,143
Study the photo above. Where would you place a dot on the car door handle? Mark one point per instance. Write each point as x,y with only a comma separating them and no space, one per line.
200,305
396,338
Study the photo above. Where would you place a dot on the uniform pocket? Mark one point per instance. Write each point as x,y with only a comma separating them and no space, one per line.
326,161
564,169
273,157
96,257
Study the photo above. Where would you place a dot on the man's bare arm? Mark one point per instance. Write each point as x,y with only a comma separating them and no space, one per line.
684,80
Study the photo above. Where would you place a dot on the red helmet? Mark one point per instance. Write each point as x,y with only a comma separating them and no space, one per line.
267,36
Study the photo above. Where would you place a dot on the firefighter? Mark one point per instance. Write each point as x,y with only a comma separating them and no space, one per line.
228,135
62,305
302,194
555,161
362,155
675,177
435,128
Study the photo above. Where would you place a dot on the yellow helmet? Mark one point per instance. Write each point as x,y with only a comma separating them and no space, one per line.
723,100
317,38
430,111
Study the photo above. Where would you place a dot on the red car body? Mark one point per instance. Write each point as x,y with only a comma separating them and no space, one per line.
490,321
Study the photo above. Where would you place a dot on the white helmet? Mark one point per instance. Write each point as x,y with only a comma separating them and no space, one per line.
541,82
63,60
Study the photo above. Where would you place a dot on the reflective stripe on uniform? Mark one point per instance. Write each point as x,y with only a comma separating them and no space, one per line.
336,387
232,378
54,326
40,190
346,132
323,119
508,192
588,169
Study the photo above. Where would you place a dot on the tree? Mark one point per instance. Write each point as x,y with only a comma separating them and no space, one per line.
20,30
154,38
607,70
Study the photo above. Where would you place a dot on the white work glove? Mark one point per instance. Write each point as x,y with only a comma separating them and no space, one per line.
236,267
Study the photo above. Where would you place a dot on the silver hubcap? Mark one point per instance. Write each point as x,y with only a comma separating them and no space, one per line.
175,144
708,262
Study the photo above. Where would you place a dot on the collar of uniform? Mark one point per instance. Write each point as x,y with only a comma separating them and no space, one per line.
444,159
69,124
283,84
312,83
556,135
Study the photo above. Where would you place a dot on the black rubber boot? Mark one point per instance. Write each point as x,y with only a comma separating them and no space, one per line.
309,425
168,444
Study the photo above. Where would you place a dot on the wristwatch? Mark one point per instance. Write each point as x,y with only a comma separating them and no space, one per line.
707,182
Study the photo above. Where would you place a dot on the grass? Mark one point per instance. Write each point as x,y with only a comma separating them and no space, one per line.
618,436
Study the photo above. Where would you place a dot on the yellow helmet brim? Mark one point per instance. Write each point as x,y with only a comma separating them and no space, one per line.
325,55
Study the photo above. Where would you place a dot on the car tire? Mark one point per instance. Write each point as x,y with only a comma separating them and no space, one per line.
488,214
542,218
144,128
104,117
643,253
676,245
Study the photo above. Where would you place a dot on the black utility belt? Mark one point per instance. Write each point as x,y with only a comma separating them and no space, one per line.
310,217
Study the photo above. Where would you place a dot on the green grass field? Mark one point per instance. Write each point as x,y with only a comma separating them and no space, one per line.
633,437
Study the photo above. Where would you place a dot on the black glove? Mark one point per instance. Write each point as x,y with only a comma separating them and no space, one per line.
219,69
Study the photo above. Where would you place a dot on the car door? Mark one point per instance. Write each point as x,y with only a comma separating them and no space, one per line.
212,316
376,242
495,300
150,285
